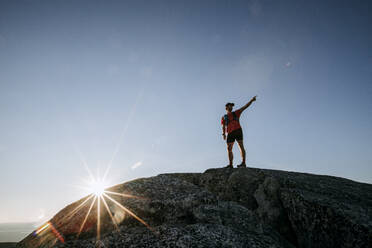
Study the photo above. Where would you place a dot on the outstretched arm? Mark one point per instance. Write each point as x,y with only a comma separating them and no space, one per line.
248,104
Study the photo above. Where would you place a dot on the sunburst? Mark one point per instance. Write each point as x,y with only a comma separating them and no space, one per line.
99,197
97,192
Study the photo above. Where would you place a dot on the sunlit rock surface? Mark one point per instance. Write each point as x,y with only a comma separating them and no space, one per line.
245,207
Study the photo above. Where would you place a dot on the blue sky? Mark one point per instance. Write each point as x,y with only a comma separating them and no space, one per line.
145,83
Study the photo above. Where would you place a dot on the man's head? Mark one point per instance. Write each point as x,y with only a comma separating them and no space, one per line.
229,106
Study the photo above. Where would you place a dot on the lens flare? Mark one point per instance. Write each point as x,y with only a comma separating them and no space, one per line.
97,194
49,226
100,198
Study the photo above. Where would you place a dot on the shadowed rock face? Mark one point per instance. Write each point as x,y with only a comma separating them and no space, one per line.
244,207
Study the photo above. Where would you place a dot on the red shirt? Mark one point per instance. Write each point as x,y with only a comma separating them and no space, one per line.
232,124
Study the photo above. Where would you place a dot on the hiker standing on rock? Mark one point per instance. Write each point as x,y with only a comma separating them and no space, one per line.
230,124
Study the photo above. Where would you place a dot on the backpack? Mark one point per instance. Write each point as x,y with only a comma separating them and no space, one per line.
226,118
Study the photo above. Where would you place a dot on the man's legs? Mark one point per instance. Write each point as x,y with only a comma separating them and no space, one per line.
242,150
230,153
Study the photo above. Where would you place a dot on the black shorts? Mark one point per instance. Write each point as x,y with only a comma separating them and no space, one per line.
235,135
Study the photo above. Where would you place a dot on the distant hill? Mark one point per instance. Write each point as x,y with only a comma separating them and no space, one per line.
7,245
245,207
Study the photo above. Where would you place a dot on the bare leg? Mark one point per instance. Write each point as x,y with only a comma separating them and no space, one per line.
242,150
230,153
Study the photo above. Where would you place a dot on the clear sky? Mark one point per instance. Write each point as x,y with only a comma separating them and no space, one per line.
144,84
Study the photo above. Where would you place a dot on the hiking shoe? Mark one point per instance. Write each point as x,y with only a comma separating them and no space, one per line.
242,165
229,166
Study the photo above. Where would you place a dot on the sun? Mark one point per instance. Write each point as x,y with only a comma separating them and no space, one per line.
97,188
99,194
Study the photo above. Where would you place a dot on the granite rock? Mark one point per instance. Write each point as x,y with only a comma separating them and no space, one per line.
245,207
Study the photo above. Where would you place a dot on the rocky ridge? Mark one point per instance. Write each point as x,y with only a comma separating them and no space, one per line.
246,207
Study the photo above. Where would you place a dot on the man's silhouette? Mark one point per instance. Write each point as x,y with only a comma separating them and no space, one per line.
231,126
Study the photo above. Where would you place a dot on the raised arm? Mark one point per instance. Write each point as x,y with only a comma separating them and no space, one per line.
248,104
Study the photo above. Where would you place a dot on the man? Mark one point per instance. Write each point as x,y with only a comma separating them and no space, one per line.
230,124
